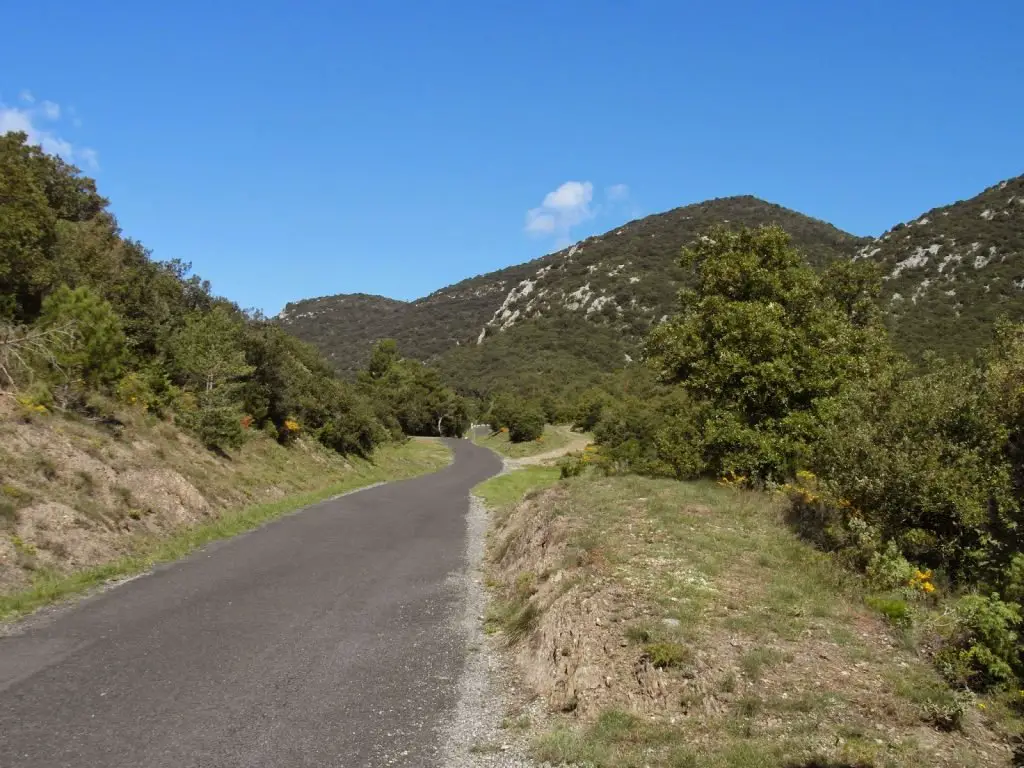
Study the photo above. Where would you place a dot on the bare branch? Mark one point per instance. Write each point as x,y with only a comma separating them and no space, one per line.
21,346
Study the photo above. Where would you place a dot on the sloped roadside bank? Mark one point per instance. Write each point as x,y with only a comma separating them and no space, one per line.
676,624
84,505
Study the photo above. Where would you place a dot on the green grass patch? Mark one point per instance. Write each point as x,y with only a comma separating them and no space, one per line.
511,487
664,654
553,438
392,462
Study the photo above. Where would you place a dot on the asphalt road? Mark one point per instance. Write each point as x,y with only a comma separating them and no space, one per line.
327,638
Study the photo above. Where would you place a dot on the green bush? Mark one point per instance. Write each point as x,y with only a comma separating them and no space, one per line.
217,424
95,349
571,466
895,609
759,341
921,459
526,424
589,409
981,649
888,569
666,654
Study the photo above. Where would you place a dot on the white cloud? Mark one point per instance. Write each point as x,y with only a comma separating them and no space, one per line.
561,210
540,223
14,119
89,157
26,120
616,193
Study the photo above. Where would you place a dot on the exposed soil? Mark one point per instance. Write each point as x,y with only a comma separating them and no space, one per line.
75,494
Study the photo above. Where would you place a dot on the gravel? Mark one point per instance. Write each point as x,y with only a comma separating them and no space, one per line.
474,736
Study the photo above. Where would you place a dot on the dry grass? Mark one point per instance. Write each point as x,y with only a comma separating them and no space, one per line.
699,631
79,504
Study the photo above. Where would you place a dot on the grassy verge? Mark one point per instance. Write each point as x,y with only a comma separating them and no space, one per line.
410,459
554,437
723,640
509,488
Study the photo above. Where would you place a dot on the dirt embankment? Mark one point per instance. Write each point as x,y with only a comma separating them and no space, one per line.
74,493
572,654
694,611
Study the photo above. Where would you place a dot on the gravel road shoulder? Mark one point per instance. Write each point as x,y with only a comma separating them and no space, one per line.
475,735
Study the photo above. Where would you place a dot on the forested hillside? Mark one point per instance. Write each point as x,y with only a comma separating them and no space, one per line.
89,322
560,322
951,272
623,280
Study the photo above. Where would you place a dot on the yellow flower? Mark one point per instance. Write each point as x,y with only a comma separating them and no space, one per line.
291,425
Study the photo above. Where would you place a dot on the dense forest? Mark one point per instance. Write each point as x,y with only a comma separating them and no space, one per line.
90,322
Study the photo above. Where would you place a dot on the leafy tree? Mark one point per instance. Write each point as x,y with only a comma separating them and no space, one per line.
208,350
27,229
760,340
383,359
96,350
412,395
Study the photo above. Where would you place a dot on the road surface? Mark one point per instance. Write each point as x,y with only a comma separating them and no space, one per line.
327,638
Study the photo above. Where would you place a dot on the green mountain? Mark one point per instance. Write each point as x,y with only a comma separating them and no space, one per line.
562,320
609,287
952,271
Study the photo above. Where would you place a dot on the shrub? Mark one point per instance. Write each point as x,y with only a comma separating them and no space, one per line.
665,654
889,569
527,423
217,424
947,712
895,609
921,460
134,390
981,649
589,409
571,466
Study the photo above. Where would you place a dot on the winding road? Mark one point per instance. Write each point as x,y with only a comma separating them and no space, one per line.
326,638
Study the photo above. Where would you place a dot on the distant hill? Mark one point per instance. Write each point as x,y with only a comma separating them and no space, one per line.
952,271
565,318
620,281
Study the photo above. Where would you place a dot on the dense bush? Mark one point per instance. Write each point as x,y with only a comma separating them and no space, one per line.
759,342
982,649
921,459
522,419
527,423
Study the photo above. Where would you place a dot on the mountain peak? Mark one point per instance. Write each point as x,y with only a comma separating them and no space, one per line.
624,279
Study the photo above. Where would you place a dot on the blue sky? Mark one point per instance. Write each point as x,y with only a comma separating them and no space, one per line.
299,149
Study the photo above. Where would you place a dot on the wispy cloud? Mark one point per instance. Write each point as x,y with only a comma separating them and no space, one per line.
561,210
27,119
573,203
617,193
